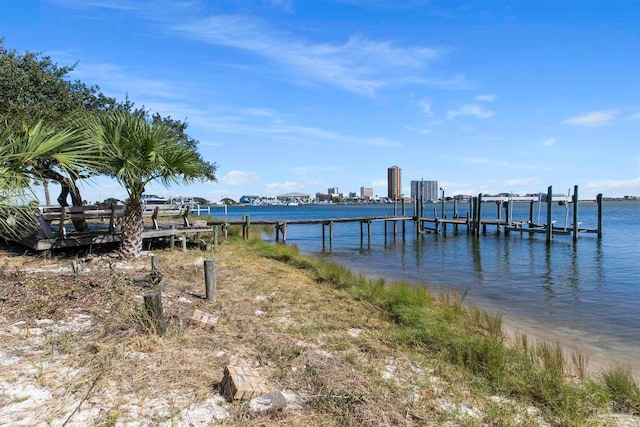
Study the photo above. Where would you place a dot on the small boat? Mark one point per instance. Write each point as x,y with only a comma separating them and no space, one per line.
152,199
292,204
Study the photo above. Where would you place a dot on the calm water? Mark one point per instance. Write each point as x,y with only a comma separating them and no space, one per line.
589,291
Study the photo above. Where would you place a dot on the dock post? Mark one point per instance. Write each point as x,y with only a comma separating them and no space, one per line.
112,220
323,234
284,232
153,306
468,225
385,228
531,213
154,262
575,213
184,242
330,234
479,212
210,285
404,213
599,201
361,234
499,207
369,232
395,228
277,227
215,237
172,238
549,205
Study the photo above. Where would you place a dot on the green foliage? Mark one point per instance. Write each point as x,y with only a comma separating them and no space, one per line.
622,389
23,149
33,87
473,340
136,152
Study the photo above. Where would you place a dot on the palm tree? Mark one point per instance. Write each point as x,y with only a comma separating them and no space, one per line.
136,152
22,150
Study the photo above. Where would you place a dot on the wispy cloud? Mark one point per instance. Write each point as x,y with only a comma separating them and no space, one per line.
473,110
423,131
486,98
236,177
549,142
635,116
358,65
426,107
523,182
286,5
100,4
620,187
596,118
285,186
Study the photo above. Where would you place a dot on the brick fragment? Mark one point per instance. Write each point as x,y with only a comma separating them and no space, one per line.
242,383
204,320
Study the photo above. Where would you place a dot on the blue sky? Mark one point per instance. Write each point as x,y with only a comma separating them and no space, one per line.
286,95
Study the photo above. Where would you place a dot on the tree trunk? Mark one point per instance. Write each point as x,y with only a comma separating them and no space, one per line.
131,228
47,198
65,190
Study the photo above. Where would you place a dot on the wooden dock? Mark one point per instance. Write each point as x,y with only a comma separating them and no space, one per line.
52,231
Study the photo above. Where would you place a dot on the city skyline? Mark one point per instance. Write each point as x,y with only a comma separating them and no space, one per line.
488,97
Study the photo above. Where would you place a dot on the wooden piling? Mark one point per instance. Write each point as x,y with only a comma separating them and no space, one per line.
153,306
331,233
575,213
549,206
210,285
531,213
154,262
185,216
112,220
172,238
599,202
184,242
479,211
215,237
499,215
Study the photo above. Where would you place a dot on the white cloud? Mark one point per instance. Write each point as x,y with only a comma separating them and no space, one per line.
358,65
473,110
285,186
423,131
486,98
426,107
236,177
595,118
549,142
523,182
635,116
615,187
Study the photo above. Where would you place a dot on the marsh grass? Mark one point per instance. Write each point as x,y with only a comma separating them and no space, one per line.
622,390
472,339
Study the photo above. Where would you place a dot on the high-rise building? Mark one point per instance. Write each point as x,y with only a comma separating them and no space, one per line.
394,182
366,193
425,190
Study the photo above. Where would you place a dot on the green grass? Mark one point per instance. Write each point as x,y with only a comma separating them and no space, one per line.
534,373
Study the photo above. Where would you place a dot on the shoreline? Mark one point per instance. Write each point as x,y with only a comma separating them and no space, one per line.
599,358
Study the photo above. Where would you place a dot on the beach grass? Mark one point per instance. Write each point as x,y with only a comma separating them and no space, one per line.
469,338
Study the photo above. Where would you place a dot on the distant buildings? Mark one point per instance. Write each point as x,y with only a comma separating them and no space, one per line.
366,193
394,182
427,190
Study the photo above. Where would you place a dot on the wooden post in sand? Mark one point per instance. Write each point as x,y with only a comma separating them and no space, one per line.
210,285
153,306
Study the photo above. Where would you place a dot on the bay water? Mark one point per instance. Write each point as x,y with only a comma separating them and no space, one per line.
588,292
